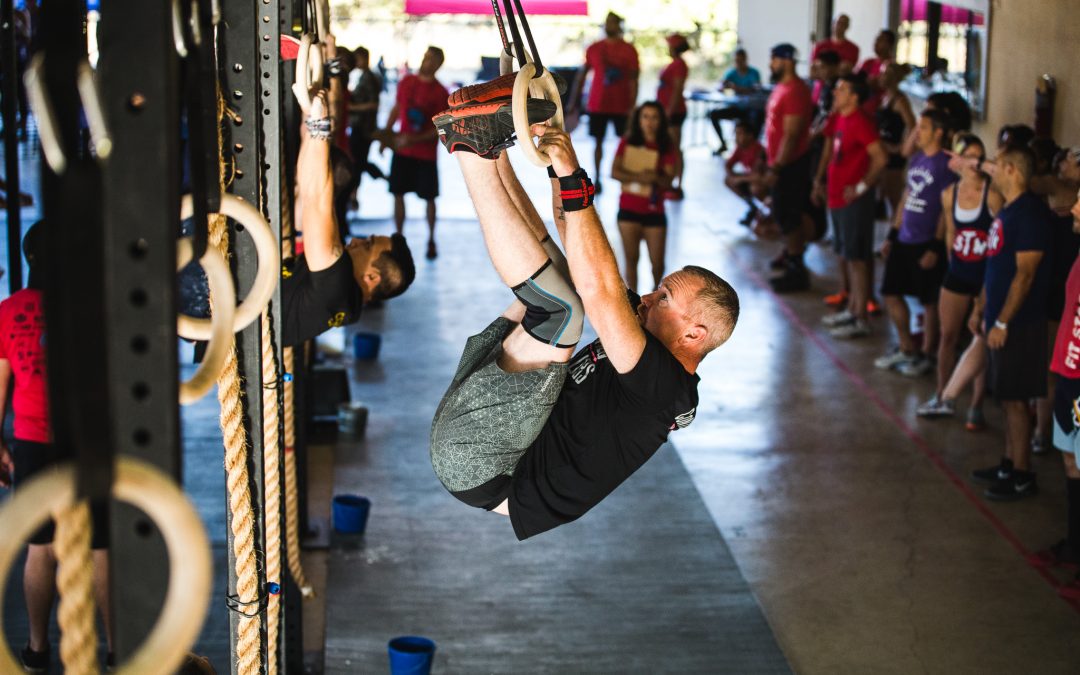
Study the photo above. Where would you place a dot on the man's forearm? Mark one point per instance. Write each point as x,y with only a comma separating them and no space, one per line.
593,267
1018,292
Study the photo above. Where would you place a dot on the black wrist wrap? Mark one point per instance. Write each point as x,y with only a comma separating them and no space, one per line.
577,191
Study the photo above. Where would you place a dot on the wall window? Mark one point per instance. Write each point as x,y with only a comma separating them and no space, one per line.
946,44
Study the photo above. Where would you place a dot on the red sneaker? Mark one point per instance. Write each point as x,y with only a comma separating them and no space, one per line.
486,128
873,308
836,299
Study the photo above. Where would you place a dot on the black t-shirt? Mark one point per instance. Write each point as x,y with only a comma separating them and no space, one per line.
314,302
603,427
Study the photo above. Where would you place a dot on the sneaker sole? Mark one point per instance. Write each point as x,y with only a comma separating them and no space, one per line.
1012,496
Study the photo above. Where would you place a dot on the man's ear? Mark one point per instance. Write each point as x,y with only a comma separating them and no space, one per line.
695,334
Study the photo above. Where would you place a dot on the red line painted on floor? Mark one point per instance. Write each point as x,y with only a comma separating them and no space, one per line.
924,447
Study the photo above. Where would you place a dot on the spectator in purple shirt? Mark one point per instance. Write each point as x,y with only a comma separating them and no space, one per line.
915,251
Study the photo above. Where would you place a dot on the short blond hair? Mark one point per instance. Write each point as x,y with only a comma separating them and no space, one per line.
716,307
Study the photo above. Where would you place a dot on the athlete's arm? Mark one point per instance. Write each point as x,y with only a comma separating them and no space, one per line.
315,185
593,267
1027,264
947,197
793,127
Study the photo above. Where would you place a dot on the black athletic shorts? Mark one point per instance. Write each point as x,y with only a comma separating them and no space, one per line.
408,174
487,495
598,123
904,275
1017,371
643,219
961,286
677,120
32,458
791,194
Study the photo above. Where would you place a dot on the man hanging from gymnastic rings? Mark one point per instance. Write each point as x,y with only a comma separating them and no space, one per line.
329,283
527,428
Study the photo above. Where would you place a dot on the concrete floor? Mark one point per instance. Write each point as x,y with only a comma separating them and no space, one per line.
807,520
852,521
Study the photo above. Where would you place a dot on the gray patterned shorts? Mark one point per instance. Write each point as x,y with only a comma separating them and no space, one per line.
488,417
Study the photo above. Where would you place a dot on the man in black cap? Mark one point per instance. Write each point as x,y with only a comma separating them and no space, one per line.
787,140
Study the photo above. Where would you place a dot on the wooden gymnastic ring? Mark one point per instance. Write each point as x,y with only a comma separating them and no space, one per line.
309,70
221,322
266,277
539,87
190,570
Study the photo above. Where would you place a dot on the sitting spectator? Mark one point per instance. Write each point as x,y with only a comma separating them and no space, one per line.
749,182
915,251
854,160
645,164
742,79
969,206
848,50
1011,313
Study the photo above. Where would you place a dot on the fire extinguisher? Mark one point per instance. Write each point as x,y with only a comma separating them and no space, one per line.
1045,93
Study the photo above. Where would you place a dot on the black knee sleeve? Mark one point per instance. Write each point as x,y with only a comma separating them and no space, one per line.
553,311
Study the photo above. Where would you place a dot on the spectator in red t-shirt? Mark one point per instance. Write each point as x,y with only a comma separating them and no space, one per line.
749,183
414,169
848,50
670,96
851,163
641,205
787,141
22,358
614,89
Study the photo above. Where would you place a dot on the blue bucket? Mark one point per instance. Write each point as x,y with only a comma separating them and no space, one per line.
351,513
366,346
411,655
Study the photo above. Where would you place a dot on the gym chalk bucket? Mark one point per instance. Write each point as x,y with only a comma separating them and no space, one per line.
411,655
351,513
366,346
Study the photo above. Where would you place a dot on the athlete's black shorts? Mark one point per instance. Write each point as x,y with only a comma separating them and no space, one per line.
32,458
598,123
905,276
791,194
643,219
1017,371
408,174
960,285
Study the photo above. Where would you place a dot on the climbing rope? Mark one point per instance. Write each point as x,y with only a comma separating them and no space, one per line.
242,515
271,488
75,582
292,515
